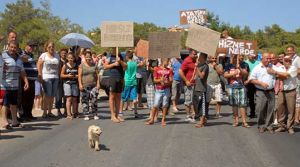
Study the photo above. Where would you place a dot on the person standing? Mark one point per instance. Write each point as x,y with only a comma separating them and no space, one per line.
199,94
287,96
177,83
214,87
252,62
236,72
60,100
140,79
130,88
10,83
48,75
88,80
116,83
31,73
187,74
163,78
265,96
69,74
290,51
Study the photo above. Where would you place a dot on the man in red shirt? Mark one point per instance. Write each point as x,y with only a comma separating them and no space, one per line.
187,73
163,78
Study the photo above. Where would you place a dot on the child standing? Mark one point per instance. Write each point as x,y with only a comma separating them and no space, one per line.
88,85
69,73
163,78
130,89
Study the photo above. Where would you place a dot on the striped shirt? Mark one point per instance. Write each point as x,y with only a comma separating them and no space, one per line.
11,75
30,67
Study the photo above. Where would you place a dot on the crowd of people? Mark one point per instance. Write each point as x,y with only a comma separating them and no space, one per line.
269,87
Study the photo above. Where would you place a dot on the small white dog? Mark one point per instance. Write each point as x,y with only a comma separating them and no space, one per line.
94,133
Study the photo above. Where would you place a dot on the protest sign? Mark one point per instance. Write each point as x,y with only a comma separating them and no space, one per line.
117,34
237,46
198,16
203,39
142,48
164,44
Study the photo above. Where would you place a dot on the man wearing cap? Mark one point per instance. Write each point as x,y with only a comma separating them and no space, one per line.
286,97
31,72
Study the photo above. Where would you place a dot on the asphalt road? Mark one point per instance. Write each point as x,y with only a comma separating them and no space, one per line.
63,143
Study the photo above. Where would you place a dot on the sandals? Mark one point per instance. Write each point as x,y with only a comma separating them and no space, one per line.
199,125
149,122
246,125
18,125
7,127
69,117
51,115
235,124
115,120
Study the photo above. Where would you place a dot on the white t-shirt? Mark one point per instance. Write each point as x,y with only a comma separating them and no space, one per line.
50,66
296,63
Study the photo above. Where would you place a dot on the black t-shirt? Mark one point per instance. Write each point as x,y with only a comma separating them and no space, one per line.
117,71
201,84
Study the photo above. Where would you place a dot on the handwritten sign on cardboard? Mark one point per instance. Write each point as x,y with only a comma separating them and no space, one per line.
203,39
117,34
142,48
164,44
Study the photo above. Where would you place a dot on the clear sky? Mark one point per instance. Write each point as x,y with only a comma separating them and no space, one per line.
254,13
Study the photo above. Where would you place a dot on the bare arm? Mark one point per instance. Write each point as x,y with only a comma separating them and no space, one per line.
40,69
24,77
80,78
62,73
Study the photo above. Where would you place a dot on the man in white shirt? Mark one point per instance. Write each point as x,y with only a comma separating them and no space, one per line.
290,51
265,97
287,97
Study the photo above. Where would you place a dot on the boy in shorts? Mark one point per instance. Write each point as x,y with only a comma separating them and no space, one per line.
130,88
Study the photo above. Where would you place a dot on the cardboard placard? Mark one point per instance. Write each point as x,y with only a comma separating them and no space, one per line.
203,39
142,48
164,44
117,34
237,46
197,16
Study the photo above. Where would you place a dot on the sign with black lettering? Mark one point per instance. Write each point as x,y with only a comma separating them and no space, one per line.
237,46
117,34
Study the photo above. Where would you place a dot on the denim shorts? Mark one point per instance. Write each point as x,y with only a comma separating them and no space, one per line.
162,97
71,90
50,86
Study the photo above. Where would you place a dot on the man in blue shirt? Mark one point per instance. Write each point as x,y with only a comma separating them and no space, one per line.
177,83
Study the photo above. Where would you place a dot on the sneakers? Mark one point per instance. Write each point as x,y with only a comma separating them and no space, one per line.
121,114
96,117
189,119
275,122
86,118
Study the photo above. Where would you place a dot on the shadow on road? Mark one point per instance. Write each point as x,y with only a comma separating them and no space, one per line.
6,137
104,148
